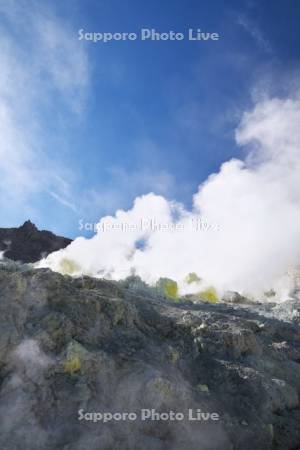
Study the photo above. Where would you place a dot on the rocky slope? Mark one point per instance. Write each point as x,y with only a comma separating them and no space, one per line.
28,244
69,345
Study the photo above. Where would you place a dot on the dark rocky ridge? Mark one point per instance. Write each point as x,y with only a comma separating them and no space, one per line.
67,344
28,244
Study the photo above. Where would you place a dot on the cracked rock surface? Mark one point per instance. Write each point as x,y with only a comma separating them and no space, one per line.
85,344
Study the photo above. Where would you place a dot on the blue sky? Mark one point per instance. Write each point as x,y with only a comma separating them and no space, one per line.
87,127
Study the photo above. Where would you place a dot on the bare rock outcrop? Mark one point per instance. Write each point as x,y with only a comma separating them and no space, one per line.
28,244
70,348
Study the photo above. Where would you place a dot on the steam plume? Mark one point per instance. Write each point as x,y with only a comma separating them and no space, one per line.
250,212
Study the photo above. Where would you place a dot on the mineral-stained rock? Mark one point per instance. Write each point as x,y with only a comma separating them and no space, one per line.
71,345
233,297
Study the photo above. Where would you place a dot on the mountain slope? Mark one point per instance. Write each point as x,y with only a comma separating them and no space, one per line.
28,244
69,345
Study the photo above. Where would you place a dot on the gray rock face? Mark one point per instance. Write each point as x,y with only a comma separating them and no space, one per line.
28,244
233,297
93,346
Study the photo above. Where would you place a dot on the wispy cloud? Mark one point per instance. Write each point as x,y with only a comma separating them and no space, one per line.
253,29
63,201
40,65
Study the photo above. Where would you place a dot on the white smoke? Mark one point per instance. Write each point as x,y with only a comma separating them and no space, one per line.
251,209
